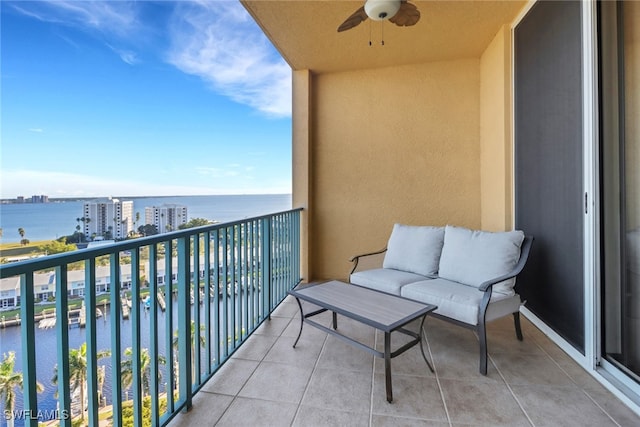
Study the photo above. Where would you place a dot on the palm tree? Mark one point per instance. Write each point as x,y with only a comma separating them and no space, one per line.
126,369
202,340
101,377
9,380
78,371
135,224
21,232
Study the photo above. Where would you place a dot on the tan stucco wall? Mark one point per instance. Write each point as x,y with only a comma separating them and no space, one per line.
391,145
495,134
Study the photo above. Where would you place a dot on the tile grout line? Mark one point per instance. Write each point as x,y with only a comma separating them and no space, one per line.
313,371
435,373
236,395
576,384
600,407
526,414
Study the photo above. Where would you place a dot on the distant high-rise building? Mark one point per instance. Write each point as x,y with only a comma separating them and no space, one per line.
40,199
108,218
166,217
20,199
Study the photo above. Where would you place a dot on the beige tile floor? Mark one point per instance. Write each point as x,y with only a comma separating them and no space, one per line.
325,382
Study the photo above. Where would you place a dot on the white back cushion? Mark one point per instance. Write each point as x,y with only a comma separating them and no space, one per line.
415,249
473,257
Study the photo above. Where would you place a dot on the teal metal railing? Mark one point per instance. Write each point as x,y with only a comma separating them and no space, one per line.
179,305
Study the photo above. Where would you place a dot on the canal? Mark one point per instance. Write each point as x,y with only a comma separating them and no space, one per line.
46,359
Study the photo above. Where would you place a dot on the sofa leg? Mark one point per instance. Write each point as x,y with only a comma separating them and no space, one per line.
516,321
482,335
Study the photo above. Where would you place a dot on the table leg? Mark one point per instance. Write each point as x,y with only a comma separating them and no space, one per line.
421,333
387,366
301,322
335,321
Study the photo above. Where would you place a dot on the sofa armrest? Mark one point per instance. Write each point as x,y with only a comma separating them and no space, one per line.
372,257
524,254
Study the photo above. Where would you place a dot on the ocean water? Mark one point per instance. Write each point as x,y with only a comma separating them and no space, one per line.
48,221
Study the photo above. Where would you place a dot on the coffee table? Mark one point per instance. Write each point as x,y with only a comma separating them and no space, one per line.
386,312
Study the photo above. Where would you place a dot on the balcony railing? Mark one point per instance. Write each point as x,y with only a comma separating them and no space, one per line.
190,299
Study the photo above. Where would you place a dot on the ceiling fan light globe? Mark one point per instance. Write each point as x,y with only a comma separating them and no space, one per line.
379,10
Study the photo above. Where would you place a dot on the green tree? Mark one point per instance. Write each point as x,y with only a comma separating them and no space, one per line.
78,371
9,380
126,369
148,230
57,247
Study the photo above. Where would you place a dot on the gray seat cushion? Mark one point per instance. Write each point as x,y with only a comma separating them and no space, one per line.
385,279
472,257
458,301
415,249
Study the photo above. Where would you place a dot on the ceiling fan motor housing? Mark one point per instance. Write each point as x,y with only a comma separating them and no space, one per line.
379,10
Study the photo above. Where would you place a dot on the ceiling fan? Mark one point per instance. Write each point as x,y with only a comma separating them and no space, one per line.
400,12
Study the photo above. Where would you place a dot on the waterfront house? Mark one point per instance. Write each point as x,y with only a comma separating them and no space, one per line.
45,285
9,292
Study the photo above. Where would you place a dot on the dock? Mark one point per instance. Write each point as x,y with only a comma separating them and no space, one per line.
47,323
125,307
83,316
161,302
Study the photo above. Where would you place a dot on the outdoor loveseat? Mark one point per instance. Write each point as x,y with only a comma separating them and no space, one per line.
469,274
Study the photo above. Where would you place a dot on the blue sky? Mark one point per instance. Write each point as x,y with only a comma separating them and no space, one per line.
140,98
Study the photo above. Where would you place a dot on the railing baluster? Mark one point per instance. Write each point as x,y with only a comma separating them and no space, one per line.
62,344
27,312
92,351
233,284
207,301
168,296
184,322
216,295
225,292
136,340
153,344
250,278
195,347
116,359
266,266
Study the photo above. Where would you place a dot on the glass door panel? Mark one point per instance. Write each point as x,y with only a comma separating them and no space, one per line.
619,25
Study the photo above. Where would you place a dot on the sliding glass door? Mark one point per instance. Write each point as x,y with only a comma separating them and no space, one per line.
619,56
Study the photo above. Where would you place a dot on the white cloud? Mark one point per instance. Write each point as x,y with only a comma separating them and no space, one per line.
128,56
36,130
219,42
215,40
111,20
119,17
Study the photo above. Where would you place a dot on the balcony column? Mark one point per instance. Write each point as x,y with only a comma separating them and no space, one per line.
301,159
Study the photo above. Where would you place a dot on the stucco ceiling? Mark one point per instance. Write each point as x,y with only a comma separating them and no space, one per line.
305,32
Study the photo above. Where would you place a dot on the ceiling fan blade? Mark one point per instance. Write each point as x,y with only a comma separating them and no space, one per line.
355,19
407,15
